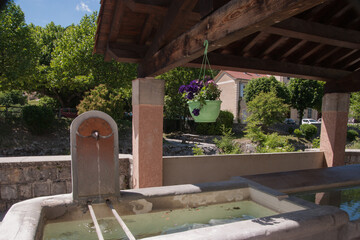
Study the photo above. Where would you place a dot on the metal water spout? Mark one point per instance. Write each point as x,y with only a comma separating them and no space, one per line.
95,157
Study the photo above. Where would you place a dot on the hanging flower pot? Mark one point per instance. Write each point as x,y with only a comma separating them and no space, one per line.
207,113
203,94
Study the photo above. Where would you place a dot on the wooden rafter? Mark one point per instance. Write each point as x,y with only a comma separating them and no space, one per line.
115,28
326,55
147,29
233,21
312,51
317,32
294,48
246,64
278,43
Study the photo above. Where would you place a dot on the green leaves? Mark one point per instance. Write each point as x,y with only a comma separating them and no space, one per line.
305,94
18,52
267,109
266,84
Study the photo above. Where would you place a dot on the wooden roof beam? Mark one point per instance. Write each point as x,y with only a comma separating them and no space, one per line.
170,23
231,22
154,9
350,83
247,64
122,52
317,32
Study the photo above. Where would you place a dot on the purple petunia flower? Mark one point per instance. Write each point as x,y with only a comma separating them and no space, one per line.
182,89
190,95
196,112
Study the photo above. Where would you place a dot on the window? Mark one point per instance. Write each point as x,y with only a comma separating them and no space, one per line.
309,114
241,92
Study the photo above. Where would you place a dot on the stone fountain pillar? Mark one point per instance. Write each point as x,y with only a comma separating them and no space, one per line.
95,157
147,134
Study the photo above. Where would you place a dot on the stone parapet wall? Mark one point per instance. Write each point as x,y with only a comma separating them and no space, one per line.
352,156
23,178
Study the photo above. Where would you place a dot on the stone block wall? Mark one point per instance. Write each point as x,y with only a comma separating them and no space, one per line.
352,156
22,178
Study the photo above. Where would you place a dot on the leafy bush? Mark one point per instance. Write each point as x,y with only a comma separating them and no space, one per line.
12,98
226,143
197,151
102,98
309,130
291,130
49,102
254,133
267,109
274,143
354,144
225,118
38,119
316,143
298,133
352,135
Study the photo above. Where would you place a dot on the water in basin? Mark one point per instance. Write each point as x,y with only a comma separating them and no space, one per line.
156,223
347,199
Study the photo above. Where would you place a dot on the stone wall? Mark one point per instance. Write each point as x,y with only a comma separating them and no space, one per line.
22,178
352,156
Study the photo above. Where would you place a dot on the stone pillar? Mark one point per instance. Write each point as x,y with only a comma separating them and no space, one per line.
335,109
147,132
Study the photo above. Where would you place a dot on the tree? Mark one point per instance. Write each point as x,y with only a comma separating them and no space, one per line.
17,48
266,84
355,105
68,68
267,109
305,94
111,101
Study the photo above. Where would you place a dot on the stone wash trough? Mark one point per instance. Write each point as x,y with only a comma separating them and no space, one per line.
97,209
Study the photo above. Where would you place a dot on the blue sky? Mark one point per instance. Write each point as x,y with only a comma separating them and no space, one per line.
61,12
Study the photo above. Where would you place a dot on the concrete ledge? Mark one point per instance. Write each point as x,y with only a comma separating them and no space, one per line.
198,169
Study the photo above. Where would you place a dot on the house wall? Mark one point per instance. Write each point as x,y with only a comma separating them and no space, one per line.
243,112
228,94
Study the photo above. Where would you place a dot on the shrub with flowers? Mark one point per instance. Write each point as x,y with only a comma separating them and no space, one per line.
200,90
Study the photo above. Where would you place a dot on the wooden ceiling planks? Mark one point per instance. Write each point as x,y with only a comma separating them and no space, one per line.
317,39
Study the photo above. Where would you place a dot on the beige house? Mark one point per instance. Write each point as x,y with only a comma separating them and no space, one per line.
232,85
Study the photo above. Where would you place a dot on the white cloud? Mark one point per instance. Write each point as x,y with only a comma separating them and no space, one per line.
83,7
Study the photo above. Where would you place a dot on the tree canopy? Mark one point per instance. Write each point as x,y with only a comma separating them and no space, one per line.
17,48
55,61
305,94
68,68
266,84
267,109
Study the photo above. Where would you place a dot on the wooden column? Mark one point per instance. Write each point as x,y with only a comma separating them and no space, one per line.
147,132
335,109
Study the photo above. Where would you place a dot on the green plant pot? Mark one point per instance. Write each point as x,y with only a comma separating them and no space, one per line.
208,113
